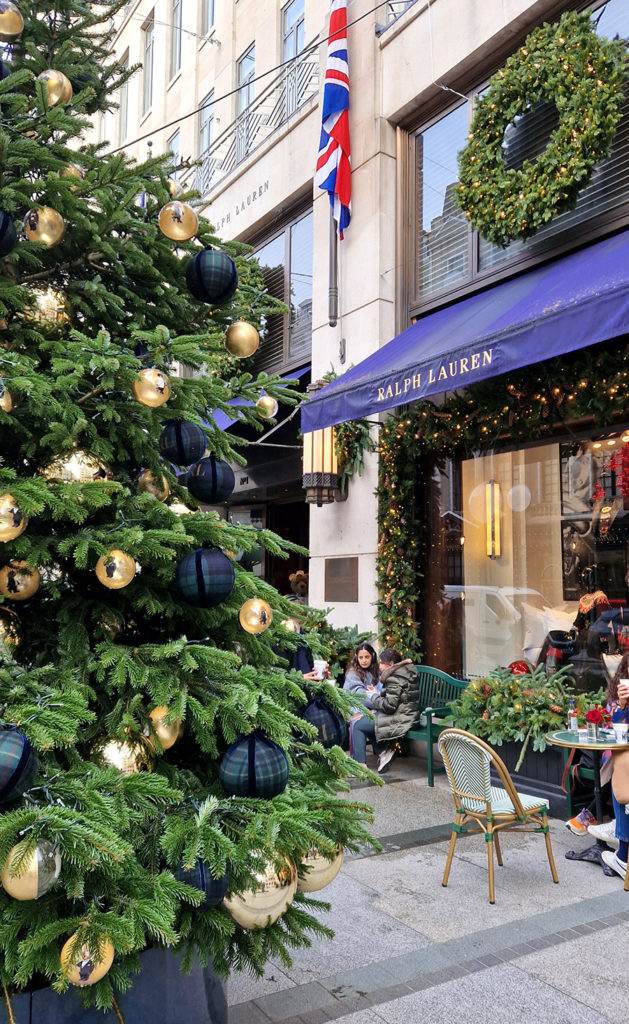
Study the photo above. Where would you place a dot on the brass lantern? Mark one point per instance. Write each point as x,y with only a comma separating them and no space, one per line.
320,467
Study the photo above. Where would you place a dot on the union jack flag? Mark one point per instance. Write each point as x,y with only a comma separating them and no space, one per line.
333,171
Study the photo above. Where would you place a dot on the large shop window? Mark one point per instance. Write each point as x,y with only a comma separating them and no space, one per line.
528,557
286,262
448,255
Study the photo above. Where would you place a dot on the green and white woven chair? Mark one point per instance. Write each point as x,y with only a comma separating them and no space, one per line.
468,761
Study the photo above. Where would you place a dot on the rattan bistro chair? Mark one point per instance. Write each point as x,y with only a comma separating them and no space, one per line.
493,808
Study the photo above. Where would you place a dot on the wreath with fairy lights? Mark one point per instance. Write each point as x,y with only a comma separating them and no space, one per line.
582,74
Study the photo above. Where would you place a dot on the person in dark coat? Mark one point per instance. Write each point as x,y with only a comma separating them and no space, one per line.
396,708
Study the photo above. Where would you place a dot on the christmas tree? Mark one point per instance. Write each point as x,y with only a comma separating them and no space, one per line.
160,781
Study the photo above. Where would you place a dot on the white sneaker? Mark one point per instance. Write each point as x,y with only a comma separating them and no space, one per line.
613,861
606,832
384,760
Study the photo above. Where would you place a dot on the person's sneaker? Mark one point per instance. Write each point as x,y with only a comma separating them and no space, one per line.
613,861
606,833
581,822
385,759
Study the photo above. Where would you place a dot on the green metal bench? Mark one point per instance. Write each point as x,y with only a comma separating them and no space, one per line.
436,690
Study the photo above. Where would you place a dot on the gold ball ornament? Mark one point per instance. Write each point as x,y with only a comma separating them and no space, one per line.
43,224
9,629
174,188
241,339
266,406
6,402
11,22
128,756
74,171
12,522
86,966
59,87
35,876
18,581
152,388
167,732
76,467
159,487
319,871
116,569
292,625
255,615
178,221
273,891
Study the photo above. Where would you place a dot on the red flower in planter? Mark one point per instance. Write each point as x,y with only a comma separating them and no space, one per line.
518,668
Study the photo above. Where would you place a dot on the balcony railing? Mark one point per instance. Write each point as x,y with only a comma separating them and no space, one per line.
293,87
396,7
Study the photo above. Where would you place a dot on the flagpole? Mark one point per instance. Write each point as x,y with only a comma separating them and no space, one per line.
333,288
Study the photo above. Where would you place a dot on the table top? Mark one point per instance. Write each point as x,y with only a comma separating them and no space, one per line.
569,738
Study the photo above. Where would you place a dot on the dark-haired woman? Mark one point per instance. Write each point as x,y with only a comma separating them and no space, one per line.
362,678
617,703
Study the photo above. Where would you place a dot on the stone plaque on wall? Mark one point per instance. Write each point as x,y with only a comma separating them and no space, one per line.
341,579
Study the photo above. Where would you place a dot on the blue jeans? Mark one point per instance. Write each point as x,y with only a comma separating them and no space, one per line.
363,729
622,820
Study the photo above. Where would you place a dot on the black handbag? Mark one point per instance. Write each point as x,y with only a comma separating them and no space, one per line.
561,646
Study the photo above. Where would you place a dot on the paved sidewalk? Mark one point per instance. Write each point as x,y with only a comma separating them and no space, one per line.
407,950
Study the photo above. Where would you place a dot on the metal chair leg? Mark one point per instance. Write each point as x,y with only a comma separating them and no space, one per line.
498,850
549,851
446,874
490,861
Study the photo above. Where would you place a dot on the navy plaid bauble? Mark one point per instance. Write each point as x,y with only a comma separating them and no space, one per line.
200,876
18,764
210,480
182,442
212,276
330,725
254,766
8,234
205,577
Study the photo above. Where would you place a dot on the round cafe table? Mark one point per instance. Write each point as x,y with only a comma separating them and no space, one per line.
570,738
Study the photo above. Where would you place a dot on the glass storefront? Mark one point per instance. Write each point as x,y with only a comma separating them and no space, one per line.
528,557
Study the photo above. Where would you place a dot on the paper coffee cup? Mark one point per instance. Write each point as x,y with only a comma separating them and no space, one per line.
320,667
620,731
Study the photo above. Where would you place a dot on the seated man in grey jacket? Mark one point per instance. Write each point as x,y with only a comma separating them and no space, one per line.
396,708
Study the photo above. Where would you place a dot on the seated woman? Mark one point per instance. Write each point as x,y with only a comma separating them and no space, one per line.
396,708
362,677
617,702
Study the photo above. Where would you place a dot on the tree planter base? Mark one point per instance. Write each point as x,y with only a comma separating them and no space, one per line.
161,994
540,774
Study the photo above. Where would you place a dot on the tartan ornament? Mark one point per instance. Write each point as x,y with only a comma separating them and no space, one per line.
210,480
212,276
205,577
182,442
200,877
8,234
254,766
329,724
18,764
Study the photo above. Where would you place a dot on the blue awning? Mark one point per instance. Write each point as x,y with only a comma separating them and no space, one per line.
578,300
223,421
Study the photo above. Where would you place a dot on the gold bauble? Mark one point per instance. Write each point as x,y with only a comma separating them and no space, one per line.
152,388
241,339
43,224
273,891
6,402
18,581
47,307
319,870
178,221
9,628
88,965
116,569
174,187
266,406
59,87
12,522
11,22
73,171
36,876
292,625
167,734
76,467
255,615
128,756
148,483
180,509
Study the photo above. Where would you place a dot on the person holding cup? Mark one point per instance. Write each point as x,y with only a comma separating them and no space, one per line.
362,678
617,703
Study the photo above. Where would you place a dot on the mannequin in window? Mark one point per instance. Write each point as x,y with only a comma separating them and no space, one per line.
592,602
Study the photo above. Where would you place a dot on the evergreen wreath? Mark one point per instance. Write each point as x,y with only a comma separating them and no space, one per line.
566,64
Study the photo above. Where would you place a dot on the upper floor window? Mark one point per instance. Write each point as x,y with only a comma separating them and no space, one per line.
123,111
148,47
451,258
293,40
286,262
174,146
175,37
205,172
207,16
245,124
